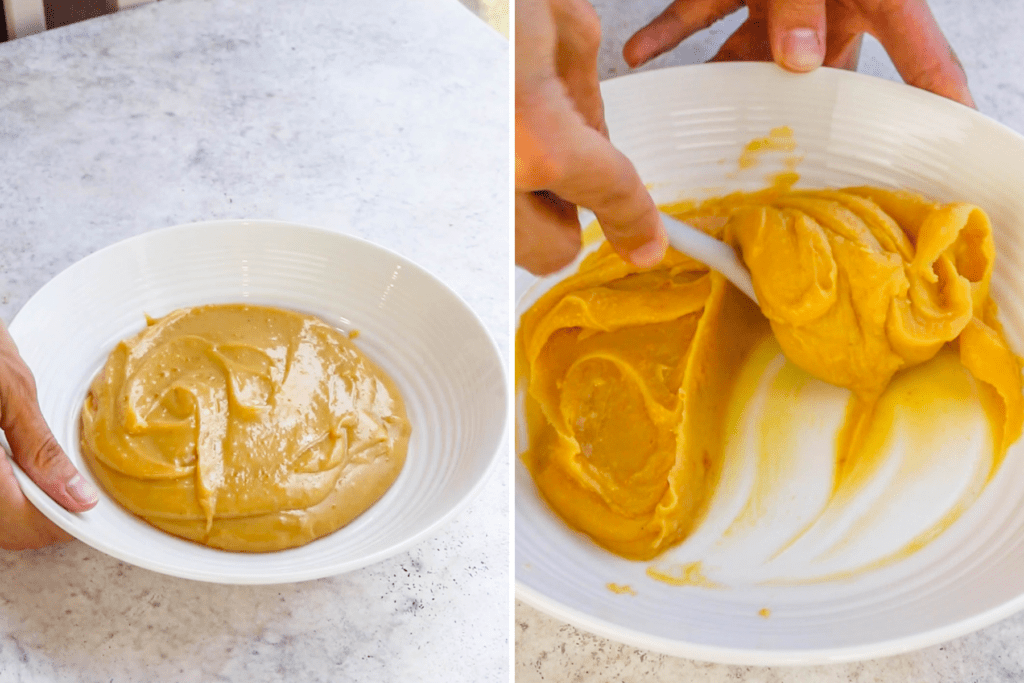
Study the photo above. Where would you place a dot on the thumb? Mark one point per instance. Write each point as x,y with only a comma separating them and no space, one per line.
33,445
36,450
796,31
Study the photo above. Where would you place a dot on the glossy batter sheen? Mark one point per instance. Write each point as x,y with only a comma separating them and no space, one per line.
244,428
627,373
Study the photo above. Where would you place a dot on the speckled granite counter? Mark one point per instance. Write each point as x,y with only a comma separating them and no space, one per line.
384,120
987,40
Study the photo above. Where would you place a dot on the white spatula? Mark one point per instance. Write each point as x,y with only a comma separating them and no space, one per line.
715,254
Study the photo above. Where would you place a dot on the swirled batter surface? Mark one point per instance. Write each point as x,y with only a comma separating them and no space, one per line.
627,373
244,428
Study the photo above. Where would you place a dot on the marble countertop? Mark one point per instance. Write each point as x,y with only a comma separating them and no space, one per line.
386,120
986,38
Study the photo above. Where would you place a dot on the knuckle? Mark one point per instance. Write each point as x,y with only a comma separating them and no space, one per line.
47,455
588,29
580,21
619,197
619,193
545,169
17,392
930,77
19,382
539,165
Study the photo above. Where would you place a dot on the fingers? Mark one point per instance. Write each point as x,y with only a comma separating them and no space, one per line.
33,445
679,21
843,49
920,52
748,43
547,232
561,150
800,40
556,151
24,527
796,31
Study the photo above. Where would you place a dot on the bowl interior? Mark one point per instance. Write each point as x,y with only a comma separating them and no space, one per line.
437,351
685,128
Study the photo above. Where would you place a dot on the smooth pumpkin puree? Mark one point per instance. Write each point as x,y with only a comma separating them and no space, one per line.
627,373
244,428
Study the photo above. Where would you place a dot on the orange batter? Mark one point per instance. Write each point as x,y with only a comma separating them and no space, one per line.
244,428
627,373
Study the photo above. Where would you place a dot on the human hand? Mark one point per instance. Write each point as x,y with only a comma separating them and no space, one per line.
35,449
801,35
563,156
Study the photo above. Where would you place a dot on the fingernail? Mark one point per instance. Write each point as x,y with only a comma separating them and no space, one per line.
801,50
81,490
649,255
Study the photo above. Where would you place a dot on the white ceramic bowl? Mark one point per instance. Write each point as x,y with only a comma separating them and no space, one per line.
685,128
445,364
